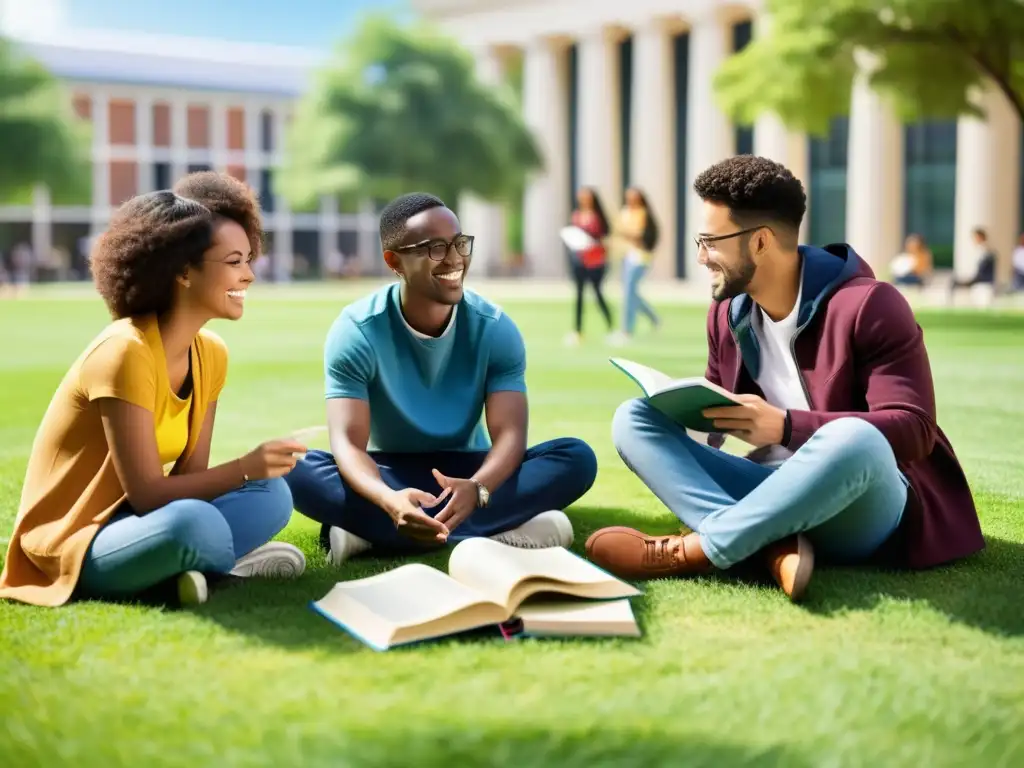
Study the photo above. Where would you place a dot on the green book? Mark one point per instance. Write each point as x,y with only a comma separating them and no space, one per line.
682,400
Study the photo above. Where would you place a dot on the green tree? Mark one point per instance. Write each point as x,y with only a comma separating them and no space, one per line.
399,109
40,139
929,54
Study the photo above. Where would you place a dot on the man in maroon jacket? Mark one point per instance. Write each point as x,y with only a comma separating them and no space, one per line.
838,404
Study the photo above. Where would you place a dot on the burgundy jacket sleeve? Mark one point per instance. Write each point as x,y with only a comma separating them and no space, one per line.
712,374
891,366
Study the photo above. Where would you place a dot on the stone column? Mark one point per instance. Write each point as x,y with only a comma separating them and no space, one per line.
653,163
545,208
598,132
710,135
42,225
144,143
100,161
874,181
988,167
478,217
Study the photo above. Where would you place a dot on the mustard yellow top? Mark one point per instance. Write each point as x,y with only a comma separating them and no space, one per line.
632,222
71,488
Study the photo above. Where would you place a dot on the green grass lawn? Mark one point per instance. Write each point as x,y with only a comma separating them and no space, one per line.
874,669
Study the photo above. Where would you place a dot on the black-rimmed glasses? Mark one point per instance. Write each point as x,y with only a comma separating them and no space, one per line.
702,241
437,250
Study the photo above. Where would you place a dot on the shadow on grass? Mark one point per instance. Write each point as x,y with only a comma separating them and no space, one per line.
982,591
516,746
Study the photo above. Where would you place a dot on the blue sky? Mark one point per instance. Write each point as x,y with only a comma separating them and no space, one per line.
305,23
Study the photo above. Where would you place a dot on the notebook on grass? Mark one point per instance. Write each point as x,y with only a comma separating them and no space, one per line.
682,400
487,584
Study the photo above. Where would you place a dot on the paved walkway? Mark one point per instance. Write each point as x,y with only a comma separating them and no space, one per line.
512,289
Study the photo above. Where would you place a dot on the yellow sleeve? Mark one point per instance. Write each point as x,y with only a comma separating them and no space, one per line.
122,368
213,357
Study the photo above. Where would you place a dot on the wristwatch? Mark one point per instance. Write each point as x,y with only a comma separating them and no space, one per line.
483,496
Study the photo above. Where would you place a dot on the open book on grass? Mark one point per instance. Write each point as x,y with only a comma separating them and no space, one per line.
486,584
682,400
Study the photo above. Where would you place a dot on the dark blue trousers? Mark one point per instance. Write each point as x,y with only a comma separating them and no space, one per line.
553,475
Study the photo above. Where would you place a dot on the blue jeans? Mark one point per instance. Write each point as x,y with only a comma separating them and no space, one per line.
553,475
841,488
632,271
132,553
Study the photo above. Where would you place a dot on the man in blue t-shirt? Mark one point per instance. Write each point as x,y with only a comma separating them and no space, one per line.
410,370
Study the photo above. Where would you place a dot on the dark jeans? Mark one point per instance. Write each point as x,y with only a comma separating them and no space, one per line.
553,475
595,276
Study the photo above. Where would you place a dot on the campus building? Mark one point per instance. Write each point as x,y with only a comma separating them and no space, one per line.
160,108
621,93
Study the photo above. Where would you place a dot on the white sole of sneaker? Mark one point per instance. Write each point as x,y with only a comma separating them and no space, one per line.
192,588
344,545
274,560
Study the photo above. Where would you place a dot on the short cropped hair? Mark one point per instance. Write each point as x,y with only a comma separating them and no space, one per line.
399,211
225,196
152,238
754,189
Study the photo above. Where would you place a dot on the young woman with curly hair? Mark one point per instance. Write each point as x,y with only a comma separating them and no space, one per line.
119,500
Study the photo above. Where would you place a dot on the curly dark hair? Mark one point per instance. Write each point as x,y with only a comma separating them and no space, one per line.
756,190
225,196
400,210
152,239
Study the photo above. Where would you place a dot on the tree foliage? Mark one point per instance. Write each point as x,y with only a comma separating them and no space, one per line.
399,108
41,142
927,56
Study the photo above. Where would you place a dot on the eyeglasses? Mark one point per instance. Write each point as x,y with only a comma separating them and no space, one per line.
703,241
437,250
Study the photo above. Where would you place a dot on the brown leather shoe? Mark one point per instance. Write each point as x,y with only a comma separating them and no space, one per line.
791,561
631,554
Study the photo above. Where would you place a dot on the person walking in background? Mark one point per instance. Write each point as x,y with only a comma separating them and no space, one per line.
639,228
914,265
985,273
590,265
1018,265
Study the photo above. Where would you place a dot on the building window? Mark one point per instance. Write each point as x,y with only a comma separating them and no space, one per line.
929,206
828,184
198,127
83,106
236,128
742,33
266,131
161,125
267,191
124,181
122,122
198,167
162,175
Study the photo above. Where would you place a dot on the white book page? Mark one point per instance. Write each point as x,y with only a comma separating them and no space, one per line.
407,596
496,570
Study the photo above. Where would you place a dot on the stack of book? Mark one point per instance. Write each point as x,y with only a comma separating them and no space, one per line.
521,592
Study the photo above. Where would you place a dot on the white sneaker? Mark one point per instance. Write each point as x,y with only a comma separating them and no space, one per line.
192,589
274,560
548,529
618,339
345,545
572,339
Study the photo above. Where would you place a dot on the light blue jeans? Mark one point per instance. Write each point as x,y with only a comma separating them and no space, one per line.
132,553
841,488
632,271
